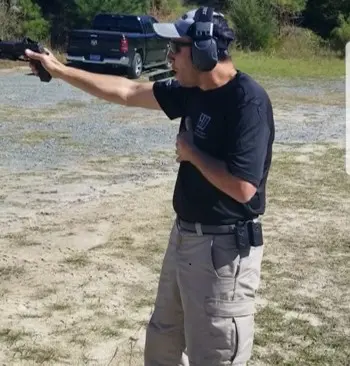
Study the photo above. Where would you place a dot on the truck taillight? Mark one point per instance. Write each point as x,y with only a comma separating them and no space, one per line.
124,46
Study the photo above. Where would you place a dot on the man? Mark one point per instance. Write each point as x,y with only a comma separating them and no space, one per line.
204,310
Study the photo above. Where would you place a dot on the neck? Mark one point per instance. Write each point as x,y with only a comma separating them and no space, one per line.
219,76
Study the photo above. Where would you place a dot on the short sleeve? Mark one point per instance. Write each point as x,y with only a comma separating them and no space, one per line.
249,141
171,97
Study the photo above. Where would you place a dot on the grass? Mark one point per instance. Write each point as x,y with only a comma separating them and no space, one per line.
261,64
40,353
305,272
21,239
62,109
10,271
7,64
77,260
11,336
321,98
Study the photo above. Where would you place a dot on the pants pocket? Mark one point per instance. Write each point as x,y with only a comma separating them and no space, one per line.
244,338
237,320
224,256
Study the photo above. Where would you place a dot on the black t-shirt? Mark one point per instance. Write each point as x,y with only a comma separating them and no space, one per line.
233,123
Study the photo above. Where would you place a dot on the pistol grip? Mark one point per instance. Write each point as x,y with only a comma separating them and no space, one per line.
43,73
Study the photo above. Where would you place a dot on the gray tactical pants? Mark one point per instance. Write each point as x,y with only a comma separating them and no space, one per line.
204,310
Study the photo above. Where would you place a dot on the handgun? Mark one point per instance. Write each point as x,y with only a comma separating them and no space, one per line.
15,50
162,75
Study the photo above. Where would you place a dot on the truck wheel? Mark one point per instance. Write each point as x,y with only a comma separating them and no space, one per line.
134,72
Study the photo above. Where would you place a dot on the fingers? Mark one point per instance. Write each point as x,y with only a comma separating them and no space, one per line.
47,51
34,55
34,69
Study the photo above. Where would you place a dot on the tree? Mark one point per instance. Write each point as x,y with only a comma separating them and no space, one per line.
62,16
288,11
340,35
323,15
87,9
33,24
254,22
10,25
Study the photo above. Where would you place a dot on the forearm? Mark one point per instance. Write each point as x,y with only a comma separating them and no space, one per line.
109,87
216,172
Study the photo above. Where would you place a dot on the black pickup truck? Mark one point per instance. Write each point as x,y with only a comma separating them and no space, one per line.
119,40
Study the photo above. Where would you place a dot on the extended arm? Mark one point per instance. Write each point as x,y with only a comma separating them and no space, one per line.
112,88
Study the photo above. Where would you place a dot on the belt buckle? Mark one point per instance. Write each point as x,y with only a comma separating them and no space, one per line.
198,227
232,228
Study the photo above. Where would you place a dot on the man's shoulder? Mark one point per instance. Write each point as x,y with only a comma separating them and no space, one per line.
166,84
171,84
249,90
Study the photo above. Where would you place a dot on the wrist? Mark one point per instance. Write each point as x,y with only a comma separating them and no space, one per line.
63,72
196,157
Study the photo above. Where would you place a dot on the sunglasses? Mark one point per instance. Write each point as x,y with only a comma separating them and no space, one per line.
175,46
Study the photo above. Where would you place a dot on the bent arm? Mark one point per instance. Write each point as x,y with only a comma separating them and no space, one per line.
115,89
216,172
249,145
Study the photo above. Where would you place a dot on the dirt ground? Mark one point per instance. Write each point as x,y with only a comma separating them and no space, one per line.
80,263
82,246
82,253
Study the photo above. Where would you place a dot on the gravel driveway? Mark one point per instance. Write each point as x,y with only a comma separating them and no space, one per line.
44,125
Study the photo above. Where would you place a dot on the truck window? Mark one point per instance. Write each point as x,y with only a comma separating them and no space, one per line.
148,26
117,23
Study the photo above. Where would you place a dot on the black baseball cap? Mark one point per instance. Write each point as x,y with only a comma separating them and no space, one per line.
182,27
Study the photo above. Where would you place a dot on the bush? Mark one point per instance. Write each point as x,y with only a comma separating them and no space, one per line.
37,29
254,23
341,35
87,9
297,42
24,20
9,21
168,10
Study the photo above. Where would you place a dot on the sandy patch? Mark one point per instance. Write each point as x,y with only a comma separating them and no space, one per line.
82,249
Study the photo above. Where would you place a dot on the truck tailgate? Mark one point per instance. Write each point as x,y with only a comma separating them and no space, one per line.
95,45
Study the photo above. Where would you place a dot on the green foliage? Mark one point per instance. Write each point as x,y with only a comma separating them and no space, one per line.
269,65
341,35
287,10
254,22
221,5
33,24
259,24
87,9
323,15
168,10
10,25
297,42
290,6
166,6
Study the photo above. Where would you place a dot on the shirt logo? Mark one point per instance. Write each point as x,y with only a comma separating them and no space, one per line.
202,124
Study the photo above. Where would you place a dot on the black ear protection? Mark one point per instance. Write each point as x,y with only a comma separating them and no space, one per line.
204,48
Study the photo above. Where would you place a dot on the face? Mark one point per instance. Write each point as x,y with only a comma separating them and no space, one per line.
180,57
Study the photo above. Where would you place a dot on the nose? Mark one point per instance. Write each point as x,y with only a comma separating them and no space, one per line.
171,55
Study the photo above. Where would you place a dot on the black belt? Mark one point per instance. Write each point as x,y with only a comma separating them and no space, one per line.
247,232
206,229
